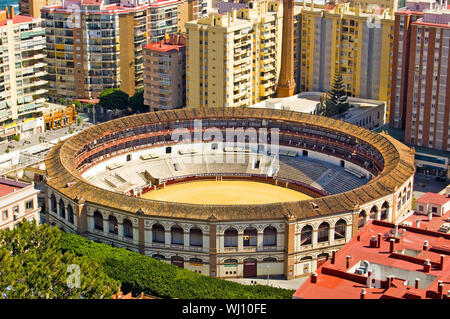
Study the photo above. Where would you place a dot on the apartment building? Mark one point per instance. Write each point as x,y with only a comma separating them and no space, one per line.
424,100
18,201
165,73
22,69
233,59
33,7
93,44
357,44
402,35
376,5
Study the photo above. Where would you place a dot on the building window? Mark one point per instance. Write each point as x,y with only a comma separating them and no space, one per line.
29,205
16,212
5,214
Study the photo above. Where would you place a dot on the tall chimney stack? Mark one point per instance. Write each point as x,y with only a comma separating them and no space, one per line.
286,83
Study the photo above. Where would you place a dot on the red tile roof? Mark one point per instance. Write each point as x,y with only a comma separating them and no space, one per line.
335,282
164,47
433,198
16,19
8,186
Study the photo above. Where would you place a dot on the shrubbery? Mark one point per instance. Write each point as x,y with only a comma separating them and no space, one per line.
139,273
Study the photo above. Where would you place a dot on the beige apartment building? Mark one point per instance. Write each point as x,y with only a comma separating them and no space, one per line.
22,70
357,44
165,73
18,201
233,59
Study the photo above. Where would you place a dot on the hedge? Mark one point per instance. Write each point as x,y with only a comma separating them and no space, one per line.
139,273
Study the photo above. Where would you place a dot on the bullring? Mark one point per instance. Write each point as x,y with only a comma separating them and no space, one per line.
97,180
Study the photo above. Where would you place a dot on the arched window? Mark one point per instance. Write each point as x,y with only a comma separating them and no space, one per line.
404,196
321,259
177,234
323,232
250,237
113,225
196,261
98,220
62,209
384,211
269,260
158,233
159,257
362,218
306,235
399,202
230,237
230,262
373,212
270,236
339,229
70,213
196,237
127,228
53,204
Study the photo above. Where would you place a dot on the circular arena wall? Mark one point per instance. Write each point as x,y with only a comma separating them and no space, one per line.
288,239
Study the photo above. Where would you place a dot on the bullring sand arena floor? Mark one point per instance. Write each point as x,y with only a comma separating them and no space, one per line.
225,193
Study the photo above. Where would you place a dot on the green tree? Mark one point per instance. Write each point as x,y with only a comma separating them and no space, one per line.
33,266
114,99
78,105
62,101
137,101
337,97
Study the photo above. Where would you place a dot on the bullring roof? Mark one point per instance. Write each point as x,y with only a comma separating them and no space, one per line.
61,170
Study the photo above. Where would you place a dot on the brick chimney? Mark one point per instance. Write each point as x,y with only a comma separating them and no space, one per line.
286,83
363,294
427,266
379,240
373,242
391,245
314,278
417,283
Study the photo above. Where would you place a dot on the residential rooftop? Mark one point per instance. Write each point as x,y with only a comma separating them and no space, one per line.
395,258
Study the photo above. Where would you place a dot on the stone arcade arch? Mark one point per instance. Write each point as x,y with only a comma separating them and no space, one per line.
306,235
70,214
323,235
113,226
340,229
230,237
127,228
176,235
53,205
250,237
98,220
270,236
62,209
195,237
384,211
158,233
362,217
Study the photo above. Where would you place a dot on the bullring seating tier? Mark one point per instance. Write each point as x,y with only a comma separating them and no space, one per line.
289,167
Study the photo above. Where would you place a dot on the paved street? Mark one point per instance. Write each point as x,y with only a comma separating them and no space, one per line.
279,283
43,137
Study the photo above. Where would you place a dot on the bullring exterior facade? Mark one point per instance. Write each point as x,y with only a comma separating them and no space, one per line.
289,239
